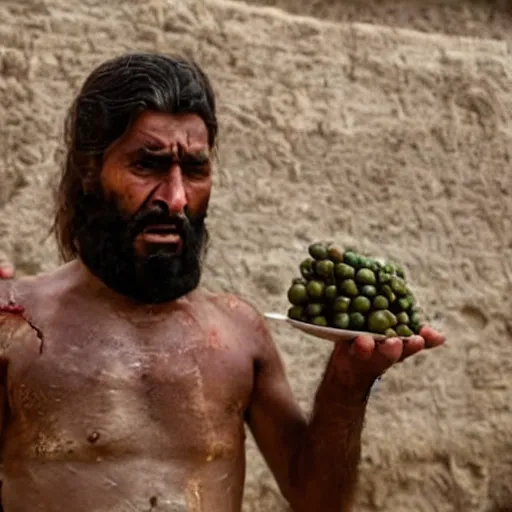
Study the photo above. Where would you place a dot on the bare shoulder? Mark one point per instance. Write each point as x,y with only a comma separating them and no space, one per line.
242,315
29,294
20,293
5,292
27,302
235,310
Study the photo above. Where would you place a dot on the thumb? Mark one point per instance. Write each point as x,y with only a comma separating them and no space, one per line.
7,269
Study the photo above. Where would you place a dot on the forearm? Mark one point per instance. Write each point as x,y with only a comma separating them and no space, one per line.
324,469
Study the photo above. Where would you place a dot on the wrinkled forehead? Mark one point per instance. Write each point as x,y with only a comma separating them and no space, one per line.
166,133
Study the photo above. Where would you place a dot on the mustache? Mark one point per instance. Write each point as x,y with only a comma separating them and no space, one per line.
157,215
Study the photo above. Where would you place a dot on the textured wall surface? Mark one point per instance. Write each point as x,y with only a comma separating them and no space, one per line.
476,18
397,140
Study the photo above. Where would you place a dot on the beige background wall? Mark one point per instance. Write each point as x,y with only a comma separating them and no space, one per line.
476,18
397,139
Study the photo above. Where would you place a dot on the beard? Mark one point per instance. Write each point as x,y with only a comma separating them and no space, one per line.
106,244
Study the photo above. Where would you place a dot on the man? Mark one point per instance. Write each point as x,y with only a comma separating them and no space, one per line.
125,386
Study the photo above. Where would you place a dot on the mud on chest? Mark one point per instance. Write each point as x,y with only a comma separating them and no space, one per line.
96,401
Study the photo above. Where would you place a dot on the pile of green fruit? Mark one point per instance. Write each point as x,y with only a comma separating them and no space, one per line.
349,290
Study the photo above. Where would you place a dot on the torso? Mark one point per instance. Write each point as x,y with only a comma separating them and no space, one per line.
111,408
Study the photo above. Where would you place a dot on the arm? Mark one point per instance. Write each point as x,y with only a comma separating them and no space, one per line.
3,408
315,462
3,390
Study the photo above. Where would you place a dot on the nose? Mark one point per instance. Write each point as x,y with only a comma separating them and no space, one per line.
172,191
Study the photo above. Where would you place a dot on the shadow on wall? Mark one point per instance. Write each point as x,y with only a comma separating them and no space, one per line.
476,18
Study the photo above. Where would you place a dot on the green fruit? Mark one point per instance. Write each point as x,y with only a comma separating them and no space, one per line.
405,303
344,271
403,330
365,262
320,320
390,333
348,287
307,268
380,302
296,313
357,321
318,251
335,254
365,276
315,289
378,322
391,318
341,305
298,294
369,291
331,292
341,320
324,268
313,309
351,258
389,268
299,280
361,304
384,277
376,265
400,272
402,318
415,318
398,286
388,293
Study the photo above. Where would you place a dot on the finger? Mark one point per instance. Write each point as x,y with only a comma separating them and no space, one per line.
6,271
391,349
412,345
432,337
362,347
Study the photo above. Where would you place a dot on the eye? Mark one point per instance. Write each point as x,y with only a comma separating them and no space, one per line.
197,170
145,165
196,167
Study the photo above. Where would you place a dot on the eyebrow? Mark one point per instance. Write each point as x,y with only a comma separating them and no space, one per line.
201,155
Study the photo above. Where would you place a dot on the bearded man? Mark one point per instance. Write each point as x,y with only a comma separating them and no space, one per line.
127,387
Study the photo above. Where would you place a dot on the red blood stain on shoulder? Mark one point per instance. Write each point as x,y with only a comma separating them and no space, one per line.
14,309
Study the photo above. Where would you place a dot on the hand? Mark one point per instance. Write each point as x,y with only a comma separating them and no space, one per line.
365,359
6,268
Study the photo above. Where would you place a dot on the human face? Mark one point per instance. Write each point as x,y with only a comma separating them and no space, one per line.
162,160
145,238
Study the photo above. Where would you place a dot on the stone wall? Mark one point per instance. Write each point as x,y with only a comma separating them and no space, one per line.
476,18
396,140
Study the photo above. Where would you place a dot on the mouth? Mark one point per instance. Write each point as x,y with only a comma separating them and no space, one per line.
163,234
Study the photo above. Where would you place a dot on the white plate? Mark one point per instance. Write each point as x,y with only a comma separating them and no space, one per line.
327,333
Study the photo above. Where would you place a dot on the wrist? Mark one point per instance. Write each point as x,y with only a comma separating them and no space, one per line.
353,379
346,387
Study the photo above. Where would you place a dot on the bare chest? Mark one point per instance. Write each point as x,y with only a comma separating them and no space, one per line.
175,387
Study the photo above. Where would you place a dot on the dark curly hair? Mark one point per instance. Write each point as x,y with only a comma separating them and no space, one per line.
111,98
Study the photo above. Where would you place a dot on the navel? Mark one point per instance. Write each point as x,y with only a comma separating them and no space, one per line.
93,437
